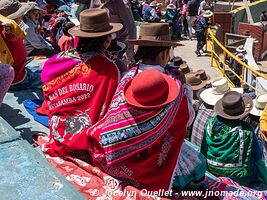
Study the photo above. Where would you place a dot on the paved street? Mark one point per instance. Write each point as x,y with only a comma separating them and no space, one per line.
187,53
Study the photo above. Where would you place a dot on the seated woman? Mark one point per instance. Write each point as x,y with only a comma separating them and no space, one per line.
230,144
34,42
13,51
79,85
140,139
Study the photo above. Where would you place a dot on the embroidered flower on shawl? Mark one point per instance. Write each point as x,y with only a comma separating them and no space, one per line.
80,180
165,148
111,183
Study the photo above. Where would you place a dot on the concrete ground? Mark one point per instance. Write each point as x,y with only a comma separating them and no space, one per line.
187,53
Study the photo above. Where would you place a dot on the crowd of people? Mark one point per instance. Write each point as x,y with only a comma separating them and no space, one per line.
179,14
136,116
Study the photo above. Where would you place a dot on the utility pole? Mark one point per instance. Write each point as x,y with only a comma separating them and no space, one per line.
249,16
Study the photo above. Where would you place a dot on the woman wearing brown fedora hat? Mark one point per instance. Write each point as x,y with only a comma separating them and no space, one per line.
79,84
230,144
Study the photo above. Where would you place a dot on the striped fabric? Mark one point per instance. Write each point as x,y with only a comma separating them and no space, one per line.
141,147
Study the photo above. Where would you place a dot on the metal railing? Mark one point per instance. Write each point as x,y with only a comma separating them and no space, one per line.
218,60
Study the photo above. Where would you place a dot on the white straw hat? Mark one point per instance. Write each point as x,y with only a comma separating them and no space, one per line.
241,49
259,104
219,88
207,13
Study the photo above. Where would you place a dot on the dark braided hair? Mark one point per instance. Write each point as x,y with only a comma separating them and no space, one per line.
90,44
149,52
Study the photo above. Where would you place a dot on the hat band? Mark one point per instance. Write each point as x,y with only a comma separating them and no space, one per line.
93,28
260,106
195,83
185,69
203,77
220,90
158,37
235,111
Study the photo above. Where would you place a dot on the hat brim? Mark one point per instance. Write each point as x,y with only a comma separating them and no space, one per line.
172,95
218,108
255,111
43,109
75,31
211,99
142,42
207,15
25,7
200,86
241,51
170,8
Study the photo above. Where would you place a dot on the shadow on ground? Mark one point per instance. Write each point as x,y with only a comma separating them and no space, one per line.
14,113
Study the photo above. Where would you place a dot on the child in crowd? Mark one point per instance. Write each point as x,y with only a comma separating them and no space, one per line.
35,44
66,42
56,23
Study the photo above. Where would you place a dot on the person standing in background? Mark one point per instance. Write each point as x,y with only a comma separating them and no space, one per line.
201,28
120,12
204,5
83,4
185,25
191,14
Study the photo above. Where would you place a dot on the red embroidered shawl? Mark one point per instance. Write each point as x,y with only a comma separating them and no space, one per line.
77,100
141,147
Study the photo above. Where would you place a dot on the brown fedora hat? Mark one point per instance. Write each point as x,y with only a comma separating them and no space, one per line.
203,75
184,68
94,23
176,61
154,34
233,105
193,78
